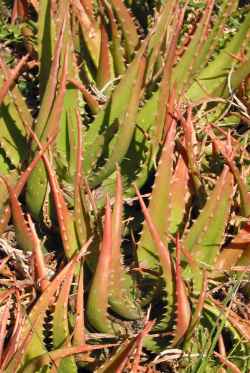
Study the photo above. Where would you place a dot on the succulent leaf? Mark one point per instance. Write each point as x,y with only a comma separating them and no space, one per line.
205,237
97,304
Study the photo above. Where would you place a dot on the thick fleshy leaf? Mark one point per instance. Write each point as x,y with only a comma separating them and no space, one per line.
97,304
206,235
183,310
121,284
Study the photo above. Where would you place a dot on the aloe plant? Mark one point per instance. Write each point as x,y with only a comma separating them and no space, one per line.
118,110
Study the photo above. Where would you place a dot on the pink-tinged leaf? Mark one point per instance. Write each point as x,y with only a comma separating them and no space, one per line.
97,304
64,216
24,236
162,250
17,98
52,126
167,93
227,363
117,221
79,327
50,91
183,311
116,42
90,32
180,196
81,217
104,66
89,8
128,27
19,10
194,265
121,283
163,23
13,75
40,267
190,146
161,191
164,264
